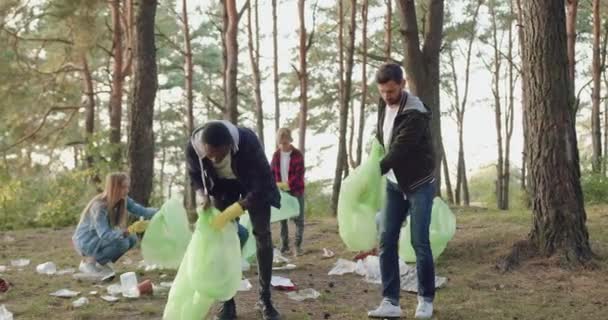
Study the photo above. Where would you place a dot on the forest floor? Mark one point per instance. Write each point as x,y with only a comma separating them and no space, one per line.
475,289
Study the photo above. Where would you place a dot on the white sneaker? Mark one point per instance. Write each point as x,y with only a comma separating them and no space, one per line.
385,310
105,268
424,309
88,268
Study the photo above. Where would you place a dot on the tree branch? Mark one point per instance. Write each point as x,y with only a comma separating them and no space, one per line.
240,13
46,115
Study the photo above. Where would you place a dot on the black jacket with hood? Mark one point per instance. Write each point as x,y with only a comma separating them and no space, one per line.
410,153
249,164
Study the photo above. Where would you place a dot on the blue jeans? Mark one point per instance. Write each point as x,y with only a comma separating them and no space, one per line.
418,205
114,250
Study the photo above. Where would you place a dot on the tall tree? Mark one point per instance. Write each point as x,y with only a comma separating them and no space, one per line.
303,76
120,69
342,164
364,8
571,12
141,146
460,102
596,130
275,67
388,30
89,122
558,211
254,57
232,51
188,79
521,41
508,120
422,63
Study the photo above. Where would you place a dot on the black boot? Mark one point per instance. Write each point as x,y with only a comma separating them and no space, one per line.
268,311
228,311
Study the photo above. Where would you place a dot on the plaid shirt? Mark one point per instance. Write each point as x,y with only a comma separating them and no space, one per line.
295,172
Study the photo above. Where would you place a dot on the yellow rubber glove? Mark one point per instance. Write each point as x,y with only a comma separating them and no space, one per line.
138,226
283,186
234,211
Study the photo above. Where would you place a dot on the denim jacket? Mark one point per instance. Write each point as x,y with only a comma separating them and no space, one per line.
94,231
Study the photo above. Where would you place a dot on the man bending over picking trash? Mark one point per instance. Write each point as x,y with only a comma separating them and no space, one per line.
227,165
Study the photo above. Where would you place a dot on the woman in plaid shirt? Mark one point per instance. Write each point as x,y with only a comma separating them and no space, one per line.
288,171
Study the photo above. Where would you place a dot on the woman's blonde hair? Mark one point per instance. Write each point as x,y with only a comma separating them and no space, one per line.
284,133
116,206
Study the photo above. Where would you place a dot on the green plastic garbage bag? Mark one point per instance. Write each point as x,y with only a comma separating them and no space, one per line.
363,193
184,303
213,258
167,236
249,249
441,231
290,207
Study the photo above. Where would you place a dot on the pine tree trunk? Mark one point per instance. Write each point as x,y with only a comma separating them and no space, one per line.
89,120
275,67
388,30
446,175
232,51
254,56
571,12
190,199
141,147
364,8
558,211
596,130
303,74
117,87
509,116
341,163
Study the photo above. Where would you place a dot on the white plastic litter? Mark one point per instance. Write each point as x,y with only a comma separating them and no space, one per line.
65,293
5,314
3,268
19,263
245,285
278,281
65,271
328,253
80,302
114,289
370,269
128,283
342,266
289,266
302,295
166,284
93,293
147,267
48,268
109,298
127,261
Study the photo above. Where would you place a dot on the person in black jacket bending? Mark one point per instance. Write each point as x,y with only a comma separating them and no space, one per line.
404,131
227,166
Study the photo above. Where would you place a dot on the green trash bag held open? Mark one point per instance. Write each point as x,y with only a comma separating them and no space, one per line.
441,231
213,258
167,236
290,208
209,272
362,195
